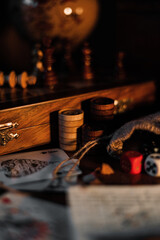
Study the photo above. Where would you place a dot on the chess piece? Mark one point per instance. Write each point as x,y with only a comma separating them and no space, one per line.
32,79
120,71
68,57
11,79
22,79
37,57
87,71
1,79
50,76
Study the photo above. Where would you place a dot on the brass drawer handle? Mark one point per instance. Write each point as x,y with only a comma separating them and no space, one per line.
5,135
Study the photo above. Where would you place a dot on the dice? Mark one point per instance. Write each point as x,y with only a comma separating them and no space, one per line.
152,164
131,162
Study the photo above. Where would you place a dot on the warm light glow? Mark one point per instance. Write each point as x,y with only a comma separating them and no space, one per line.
115,102
79,10
68,11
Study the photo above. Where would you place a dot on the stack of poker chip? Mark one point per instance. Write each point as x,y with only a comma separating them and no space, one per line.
102,108
92,132
70,120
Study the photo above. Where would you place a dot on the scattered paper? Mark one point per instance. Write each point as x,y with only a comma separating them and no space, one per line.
111,212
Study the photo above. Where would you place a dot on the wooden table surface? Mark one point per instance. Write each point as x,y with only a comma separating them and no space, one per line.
96,157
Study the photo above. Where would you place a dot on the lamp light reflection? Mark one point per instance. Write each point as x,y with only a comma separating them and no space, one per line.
68,11
79,10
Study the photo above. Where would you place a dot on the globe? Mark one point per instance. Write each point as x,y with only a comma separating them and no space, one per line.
71,20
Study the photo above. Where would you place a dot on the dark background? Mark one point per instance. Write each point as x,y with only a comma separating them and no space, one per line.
131,26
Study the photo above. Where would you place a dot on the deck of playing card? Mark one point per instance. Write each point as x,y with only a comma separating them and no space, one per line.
32,170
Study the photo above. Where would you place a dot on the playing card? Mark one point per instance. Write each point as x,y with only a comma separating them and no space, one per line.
33,169
24,217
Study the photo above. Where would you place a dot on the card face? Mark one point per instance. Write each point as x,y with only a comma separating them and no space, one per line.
33,186
24,217
29,167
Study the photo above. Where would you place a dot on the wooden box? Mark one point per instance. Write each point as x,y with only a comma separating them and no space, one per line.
35,110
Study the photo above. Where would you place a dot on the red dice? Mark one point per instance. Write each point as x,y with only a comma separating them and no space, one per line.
131,162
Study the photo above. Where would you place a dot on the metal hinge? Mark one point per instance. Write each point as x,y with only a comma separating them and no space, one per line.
5,135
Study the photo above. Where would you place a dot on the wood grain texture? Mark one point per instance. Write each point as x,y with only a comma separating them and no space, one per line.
28,137
37,114
38,122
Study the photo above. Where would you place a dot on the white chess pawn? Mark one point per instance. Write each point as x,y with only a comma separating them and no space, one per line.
11,79
152,164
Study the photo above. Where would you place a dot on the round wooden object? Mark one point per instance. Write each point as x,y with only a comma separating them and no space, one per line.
68,129
32,80
67,135
68,147
67,141
102,103
71,114
1,78
22,79
93,132
102,112
102,118
12,79
71,124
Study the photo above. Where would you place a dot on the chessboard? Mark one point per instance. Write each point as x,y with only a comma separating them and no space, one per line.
68,87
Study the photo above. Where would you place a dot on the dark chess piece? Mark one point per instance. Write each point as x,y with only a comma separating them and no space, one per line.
120,71
87,71
50,76
68,57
